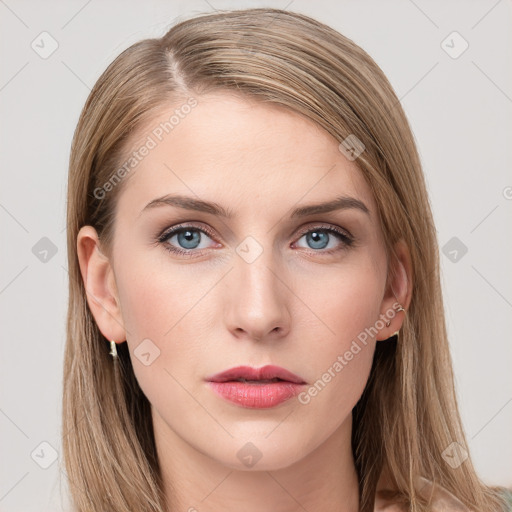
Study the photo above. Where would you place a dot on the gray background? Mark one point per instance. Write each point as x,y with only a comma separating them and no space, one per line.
460,111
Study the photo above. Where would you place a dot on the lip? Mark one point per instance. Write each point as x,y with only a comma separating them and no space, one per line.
257,394
267,372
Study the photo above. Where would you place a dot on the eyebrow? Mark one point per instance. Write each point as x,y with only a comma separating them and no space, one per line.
190,203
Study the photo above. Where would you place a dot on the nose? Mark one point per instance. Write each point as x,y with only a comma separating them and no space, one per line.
257,300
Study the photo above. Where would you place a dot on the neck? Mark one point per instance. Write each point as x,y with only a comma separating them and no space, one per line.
325,479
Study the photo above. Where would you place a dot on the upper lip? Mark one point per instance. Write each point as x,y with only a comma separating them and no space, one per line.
264,373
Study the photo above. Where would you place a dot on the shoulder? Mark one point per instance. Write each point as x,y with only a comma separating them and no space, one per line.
507,495
441,499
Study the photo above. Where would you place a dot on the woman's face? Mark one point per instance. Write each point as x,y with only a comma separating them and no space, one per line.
262,287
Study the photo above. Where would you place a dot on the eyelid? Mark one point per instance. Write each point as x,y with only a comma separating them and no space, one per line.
176,227
322,225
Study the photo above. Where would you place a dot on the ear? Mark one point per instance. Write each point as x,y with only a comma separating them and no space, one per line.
398,290
99,281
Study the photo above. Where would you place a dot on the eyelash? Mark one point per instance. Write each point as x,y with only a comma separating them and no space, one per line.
347,241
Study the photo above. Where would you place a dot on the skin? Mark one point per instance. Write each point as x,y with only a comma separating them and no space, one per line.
294,306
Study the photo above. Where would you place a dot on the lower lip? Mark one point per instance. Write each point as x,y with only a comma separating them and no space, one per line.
256,396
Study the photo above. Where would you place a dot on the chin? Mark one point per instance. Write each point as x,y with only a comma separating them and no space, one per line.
261,454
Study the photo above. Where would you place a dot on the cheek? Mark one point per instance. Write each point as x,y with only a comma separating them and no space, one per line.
348,304
166,313
347,299
150,307
146,302
155,294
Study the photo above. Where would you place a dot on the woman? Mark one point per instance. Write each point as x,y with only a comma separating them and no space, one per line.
250,236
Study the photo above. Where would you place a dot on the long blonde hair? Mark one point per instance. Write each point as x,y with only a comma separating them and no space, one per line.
408,413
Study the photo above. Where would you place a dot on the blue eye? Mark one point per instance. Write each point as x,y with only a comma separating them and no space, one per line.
319,238
189,239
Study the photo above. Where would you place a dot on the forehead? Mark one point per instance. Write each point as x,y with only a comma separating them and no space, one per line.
240,152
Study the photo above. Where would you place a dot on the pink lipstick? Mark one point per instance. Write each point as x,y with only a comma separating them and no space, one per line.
256,388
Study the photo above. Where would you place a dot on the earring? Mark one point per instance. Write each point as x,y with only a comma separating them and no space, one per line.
388,323
113,349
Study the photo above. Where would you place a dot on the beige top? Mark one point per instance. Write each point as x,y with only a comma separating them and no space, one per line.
442,499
